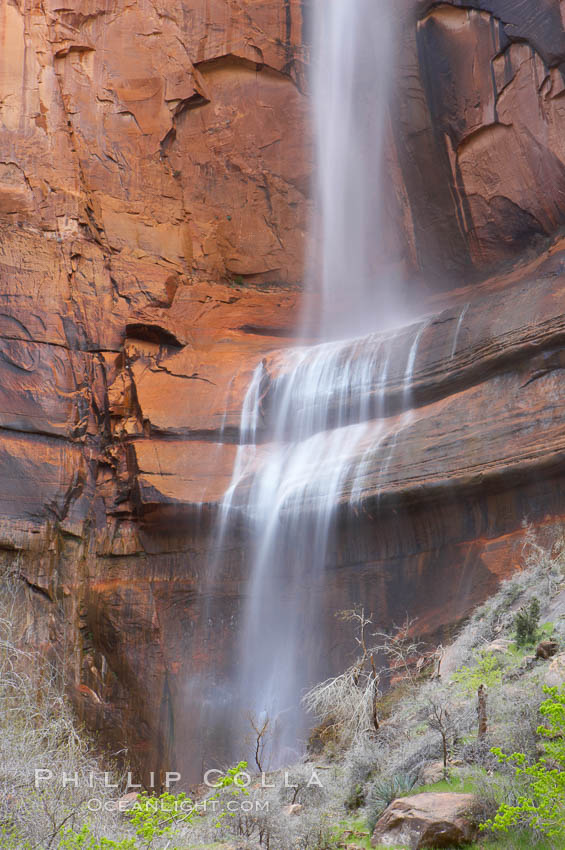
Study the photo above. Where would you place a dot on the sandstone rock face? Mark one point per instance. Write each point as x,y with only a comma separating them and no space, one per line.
476,132
155,166
427,820
154,195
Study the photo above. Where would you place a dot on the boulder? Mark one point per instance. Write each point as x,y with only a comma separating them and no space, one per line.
499,646
431,772
555,675
428,820
128,801
547,649
293,809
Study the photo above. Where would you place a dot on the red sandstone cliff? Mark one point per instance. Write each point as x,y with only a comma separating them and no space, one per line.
155,167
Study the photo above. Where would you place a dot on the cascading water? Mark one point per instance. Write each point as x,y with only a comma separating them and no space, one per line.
288,499
353,65
325,408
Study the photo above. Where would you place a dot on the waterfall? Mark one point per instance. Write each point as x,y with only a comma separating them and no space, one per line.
288,500
323,415
353,66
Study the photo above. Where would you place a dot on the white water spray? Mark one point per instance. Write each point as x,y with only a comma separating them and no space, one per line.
353,65
325,409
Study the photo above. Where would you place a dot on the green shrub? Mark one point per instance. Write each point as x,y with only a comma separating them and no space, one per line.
10,839
526,623
86,840
151,816
542,805
486,672
384,791
154,817
355,799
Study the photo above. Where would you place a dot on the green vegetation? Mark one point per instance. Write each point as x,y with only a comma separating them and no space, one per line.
542,804
384,790
356,798
152,816
486,671
11,839
86,840
526,623
352,832
490,651
458,784
516,841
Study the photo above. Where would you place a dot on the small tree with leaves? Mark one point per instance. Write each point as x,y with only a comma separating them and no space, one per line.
541,806
526,623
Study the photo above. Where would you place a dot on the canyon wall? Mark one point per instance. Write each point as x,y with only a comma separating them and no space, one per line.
155,168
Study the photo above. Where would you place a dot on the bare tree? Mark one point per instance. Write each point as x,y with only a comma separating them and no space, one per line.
404,653
38,730
482,711
349,702
366,660
260,731
436,660
440,721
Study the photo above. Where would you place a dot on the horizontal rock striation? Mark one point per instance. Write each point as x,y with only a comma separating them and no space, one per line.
443,353
462,416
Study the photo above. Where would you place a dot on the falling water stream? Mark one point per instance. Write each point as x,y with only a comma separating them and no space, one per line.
325,413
